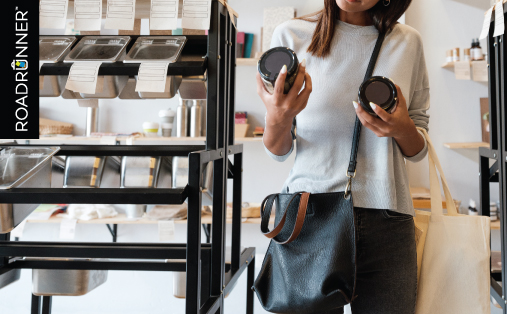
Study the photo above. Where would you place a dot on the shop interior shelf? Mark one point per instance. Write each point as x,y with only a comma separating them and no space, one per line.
466,145
246,61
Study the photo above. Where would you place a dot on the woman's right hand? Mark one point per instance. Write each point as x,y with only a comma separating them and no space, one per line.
282,108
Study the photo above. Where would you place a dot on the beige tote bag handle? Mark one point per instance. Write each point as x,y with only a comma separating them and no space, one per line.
436,196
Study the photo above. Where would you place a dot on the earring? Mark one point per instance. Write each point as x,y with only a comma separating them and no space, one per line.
387,3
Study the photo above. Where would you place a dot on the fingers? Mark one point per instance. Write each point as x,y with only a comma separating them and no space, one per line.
381,113
280,82
401,98
305,93
300,79
376,125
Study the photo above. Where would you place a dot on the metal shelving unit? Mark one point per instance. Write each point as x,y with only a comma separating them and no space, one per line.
497,153
209,279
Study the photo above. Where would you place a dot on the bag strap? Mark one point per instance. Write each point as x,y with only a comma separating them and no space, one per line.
267,205
436,196
351,170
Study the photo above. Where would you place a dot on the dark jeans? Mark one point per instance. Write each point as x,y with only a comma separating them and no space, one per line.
386,281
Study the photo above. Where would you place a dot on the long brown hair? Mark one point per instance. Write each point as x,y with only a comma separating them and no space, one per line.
384,18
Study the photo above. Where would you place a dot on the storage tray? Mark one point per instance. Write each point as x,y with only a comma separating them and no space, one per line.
54,49
65,282
27,167
99,48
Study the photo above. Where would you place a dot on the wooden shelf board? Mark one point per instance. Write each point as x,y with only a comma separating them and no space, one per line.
83,140
495,224
122,219
466,145
246,61
448,65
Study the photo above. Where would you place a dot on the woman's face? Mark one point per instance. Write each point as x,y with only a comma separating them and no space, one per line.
356,5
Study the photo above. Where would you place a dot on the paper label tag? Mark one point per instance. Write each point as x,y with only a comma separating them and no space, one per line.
83,77
152,77
53,13
164,14
87,15
108,140
480,71
120,14
68,228
499,19
462,70
130,140
487,22
166,230
196,14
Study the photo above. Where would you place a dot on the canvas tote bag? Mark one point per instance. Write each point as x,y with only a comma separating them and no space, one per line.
454,270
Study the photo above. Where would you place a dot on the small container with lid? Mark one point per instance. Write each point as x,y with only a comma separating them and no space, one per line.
150,129
380,91
167,129
166,116
272,61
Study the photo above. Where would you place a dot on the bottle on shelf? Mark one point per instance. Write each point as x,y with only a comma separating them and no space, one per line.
472,209
466,54
476,50
181,119
455,54
195,119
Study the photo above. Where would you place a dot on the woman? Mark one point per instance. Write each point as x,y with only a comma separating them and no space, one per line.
335,45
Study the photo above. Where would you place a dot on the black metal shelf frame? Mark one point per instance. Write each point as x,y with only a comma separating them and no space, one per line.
497,153
209,278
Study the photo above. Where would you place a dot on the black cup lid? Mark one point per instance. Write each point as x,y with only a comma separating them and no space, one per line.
378,89
272,61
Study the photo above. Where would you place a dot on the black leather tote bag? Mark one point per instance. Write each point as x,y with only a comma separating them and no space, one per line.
310,265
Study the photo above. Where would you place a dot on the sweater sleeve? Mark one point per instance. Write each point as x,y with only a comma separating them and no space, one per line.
420,103
276,41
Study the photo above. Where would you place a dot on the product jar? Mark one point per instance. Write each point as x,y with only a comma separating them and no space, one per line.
272,61
380,91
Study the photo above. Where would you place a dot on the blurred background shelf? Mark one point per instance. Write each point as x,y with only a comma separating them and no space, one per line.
466,145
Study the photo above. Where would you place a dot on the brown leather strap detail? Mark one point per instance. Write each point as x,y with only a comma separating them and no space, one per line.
303,204
273,233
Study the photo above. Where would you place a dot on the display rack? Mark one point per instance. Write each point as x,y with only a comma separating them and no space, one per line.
496,154
208,278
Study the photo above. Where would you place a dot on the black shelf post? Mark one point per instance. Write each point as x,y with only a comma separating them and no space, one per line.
496,154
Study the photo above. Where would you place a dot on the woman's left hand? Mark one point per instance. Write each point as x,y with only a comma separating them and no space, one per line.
396,124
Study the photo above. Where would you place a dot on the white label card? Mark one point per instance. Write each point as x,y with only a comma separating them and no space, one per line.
152,77
499,19
487,22
462,70
480,71
83,77
53,13
68,229
87,15
196,14
164,14
120,14
166,230
107,140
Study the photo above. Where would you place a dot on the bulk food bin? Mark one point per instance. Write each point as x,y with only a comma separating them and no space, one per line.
158,49
53,49
106,49
8,276
65,282
27,167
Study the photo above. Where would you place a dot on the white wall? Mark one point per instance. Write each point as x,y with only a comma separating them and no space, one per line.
455,117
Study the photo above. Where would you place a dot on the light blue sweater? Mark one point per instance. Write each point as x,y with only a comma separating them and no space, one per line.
325,127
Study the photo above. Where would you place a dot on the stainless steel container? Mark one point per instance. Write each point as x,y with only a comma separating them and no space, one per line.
83,171
158,49
129,91
8,276
66,282
193,87
106,49
139,171
182,119
27,167
180,178
195,120
135,210
54,49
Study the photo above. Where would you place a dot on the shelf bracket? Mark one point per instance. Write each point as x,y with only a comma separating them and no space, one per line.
113,231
